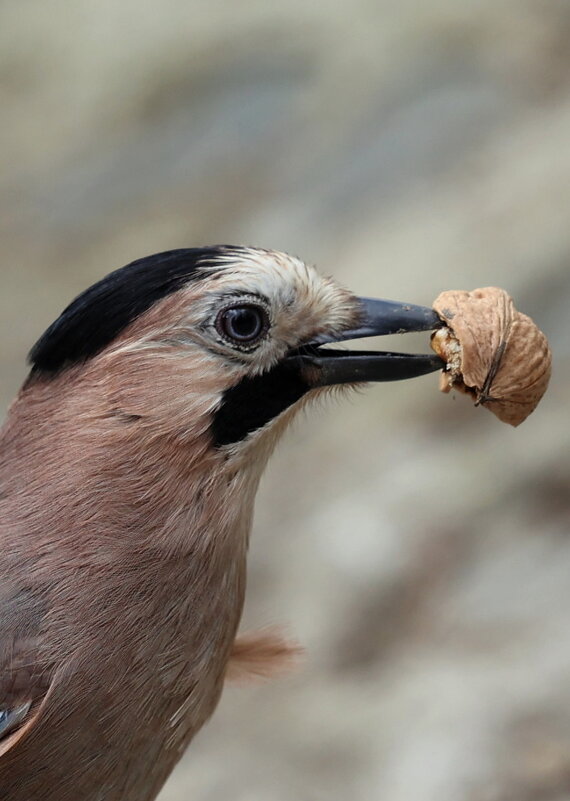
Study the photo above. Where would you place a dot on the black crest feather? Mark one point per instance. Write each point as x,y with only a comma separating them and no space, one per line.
98,315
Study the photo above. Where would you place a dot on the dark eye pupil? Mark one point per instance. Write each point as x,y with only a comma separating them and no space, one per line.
243,323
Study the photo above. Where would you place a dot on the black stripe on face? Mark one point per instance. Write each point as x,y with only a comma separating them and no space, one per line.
256,401
97,316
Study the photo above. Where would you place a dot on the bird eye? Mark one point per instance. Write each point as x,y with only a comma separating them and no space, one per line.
244,324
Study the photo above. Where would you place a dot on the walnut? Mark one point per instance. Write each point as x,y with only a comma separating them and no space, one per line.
492,352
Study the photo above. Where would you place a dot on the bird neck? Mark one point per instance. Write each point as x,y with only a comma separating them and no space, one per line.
132,475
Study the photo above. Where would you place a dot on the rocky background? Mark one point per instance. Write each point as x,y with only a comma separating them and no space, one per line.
417,547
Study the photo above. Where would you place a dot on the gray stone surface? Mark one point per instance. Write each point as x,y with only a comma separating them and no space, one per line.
417,547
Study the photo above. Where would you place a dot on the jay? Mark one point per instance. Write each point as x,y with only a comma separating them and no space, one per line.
129,464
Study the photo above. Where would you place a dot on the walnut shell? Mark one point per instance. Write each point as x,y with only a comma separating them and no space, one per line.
493,352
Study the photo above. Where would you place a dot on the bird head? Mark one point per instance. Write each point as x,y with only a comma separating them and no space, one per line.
220,346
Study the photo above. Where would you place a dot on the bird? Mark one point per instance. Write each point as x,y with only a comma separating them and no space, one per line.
129,464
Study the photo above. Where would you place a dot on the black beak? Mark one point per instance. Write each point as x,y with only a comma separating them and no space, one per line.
321,367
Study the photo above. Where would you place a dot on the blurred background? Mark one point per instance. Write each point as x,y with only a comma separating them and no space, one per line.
418,548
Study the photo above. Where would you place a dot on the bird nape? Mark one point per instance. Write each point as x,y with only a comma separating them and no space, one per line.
129,464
